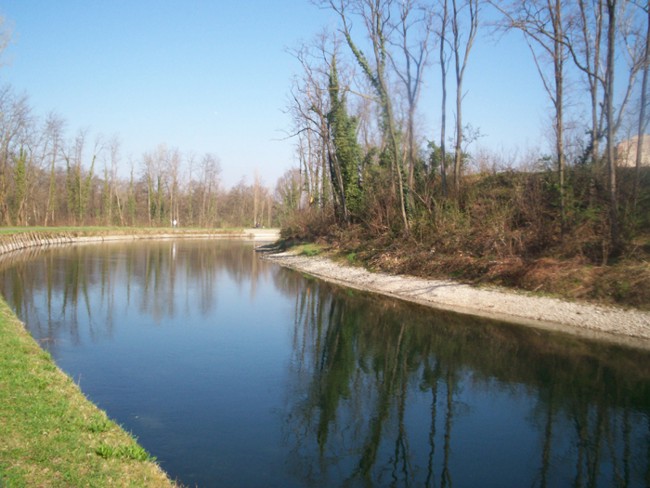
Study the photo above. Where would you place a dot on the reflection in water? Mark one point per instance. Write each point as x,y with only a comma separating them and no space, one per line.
144,275
386,394
218,361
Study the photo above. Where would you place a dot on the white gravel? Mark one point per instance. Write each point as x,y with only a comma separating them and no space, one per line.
627,327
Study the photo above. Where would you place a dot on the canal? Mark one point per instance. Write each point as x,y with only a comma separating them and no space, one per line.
233,371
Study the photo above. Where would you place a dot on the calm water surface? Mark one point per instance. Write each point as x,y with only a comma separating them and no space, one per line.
235,372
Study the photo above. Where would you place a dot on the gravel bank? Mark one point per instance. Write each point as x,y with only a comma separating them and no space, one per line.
626,327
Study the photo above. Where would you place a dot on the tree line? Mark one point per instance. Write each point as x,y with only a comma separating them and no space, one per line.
366,164
47,178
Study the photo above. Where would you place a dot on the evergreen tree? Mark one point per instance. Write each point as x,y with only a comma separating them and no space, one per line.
346,158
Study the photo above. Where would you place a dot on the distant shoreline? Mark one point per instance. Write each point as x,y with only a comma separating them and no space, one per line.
43,238
604,323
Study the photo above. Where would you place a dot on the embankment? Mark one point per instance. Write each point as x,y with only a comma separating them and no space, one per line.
616,325
51,434
26,239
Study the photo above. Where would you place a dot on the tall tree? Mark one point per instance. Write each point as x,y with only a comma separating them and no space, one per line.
131,203
172,170
78,179
53,135
584,42
309,109
257,190
413,31
643,101
345,158
15,120
20,187
376,16
444,66
208,189
611,131
461,50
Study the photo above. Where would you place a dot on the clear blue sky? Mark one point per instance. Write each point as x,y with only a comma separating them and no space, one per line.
214,76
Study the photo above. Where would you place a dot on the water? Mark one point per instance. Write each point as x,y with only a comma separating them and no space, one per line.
235,372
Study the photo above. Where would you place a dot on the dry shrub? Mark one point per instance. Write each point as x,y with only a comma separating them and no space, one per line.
499,216
571,278
309,225
624,284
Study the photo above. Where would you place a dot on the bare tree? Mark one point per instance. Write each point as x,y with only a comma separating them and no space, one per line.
78,178
117,194
154,175
15,119
461,50
257,189
287,193
415,21
444,59
584,41
609,115
172,170
629,33
642,106
110,194
53,136
309,108
208,186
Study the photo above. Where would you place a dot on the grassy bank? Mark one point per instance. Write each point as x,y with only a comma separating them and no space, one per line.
50,434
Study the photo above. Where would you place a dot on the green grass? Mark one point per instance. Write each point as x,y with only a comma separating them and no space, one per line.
309,250
134,452
50,434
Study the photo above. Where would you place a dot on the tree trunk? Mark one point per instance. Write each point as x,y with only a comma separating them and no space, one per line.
443,108
609,108
458,155
558,62
642,112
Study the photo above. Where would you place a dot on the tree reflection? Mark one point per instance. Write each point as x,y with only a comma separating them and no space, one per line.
379,393
379,387
160,278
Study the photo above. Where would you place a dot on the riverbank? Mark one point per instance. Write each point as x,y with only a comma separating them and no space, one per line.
611,324
52,435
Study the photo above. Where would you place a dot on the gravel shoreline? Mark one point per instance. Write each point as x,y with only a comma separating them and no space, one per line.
615,325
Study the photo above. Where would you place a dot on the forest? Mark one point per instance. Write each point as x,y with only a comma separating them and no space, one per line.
374,183
47,179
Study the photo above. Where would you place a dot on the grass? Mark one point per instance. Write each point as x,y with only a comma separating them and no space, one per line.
309,249
50,434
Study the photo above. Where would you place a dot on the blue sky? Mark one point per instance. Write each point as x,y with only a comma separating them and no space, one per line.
214,76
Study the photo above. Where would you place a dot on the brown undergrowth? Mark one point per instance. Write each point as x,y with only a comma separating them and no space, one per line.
623,283
506,229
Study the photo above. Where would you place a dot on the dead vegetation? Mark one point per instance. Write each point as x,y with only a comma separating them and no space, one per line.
506,230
